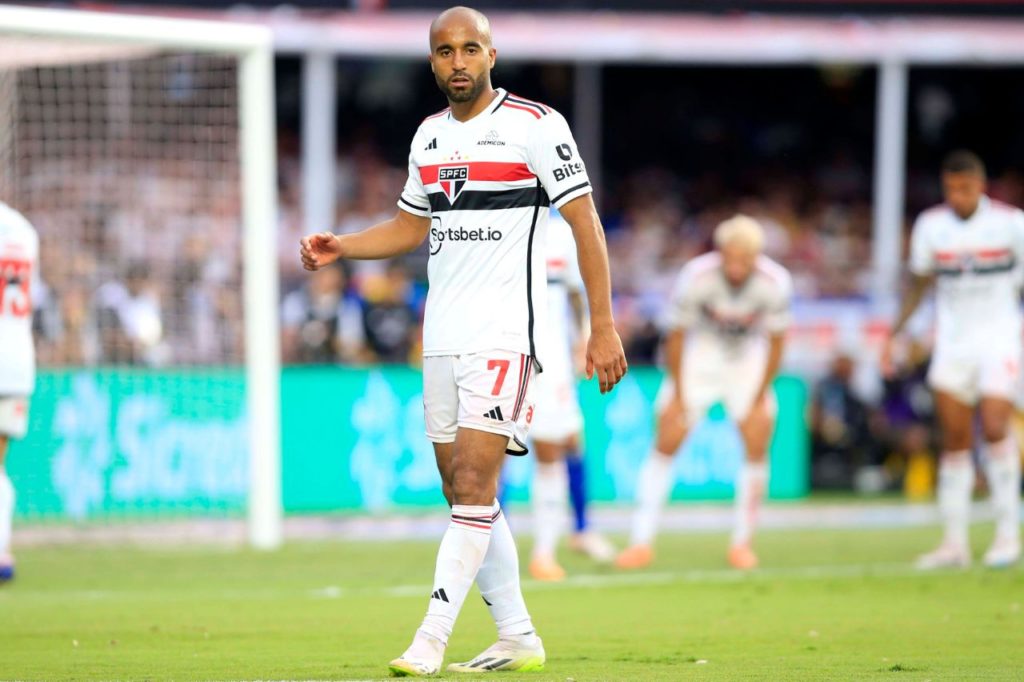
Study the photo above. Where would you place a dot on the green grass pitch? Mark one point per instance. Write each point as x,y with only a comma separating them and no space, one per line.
829,605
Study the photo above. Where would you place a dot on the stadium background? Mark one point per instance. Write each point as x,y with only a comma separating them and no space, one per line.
133,484
678,148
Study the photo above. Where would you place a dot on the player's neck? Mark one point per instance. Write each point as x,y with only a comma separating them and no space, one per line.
463,111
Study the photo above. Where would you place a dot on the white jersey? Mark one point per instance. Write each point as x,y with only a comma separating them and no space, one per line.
19,262
564,279
486,185
977,265
724,323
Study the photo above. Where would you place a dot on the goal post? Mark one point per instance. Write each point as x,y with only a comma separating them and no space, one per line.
39,38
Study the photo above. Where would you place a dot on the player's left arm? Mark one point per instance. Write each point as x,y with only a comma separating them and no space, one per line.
776,349
605,355
556,161
777,322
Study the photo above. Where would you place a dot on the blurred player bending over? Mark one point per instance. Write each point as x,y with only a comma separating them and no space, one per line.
557,420
481,176
973,249
726,325
19,256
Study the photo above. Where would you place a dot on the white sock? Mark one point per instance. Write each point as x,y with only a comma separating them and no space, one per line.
6,512
498,581
459,558
653,486
956,483
1003,469
751,485
550,498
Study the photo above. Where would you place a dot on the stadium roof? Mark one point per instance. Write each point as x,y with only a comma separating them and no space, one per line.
648,38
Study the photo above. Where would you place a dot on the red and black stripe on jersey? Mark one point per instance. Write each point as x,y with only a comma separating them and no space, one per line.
980,262
486,200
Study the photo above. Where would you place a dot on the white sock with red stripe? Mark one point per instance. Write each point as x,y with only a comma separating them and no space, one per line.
550,498
1003,471
6,513
956,483
750,488
653,486
459,558
498,581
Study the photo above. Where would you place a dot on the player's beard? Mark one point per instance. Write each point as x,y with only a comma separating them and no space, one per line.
466,95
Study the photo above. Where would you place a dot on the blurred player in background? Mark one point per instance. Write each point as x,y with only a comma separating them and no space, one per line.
557,419
481,175
726,327
972,248
19,258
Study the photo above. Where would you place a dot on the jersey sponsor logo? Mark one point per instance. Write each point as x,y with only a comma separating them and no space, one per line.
568,170
564,152
491,139
15,275
452,179
440,235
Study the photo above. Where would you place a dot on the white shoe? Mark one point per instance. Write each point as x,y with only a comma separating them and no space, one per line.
524,654
1003,553
423,658
946,556
593,545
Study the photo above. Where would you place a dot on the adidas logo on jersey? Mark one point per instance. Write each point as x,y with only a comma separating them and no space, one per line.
495,413
432,145
440,595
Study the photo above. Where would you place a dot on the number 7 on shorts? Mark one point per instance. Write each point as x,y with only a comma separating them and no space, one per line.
502,367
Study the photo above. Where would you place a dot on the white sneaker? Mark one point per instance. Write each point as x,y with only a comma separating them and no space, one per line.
593,545
423,658
1003,553
946,556
524,653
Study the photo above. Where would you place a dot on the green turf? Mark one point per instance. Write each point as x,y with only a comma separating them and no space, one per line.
834,605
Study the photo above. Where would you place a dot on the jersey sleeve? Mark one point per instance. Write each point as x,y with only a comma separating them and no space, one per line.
922,259
683,310
414,197
556,160
779,314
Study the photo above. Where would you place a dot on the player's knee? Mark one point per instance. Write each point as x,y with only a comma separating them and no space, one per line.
994,428
954,440
470,486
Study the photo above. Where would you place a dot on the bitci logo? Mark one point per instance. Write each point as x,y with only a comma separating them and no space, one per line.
452,179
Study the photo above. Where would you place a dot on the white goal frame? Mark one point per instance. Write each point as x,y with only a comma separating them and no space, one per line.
253,46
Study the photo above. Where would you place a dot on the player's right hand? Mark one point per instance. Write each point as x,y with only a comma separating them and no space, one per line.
319,250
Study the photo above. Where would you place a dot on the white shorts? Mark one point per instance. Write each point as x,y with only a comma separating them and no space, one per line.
13,416
489,391
733,384
994,373
558,415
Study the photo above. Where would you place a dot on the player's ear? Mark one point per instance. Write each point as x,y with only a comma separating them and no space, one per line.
493,53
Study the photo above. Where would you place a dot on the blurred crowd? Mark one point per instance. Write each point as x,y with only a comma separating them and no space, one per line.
157,282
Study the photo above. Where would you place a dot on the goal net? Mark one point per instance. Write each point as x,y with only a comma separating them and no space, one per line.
141,150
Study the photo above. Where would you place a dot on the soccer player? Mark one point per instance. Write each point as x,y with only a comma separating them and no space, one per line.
726,325
481,175
557,419
972,248
19,256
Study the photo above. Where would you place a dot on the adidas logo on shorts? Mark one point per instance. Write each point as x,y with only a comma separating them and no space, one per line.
495,413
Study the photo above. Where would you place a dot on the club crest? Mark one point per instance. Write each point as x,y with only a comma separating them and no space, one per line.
452,179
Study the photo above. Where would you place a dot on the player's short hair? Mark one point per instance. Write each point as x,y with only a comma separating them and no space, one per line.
740,229
963,161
